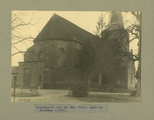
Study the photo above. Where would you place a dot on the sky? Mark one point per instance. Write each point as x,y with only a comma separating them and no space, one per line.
84,19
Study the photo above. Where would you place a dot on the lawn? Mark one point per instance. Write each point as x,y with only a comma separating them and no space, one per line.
110,98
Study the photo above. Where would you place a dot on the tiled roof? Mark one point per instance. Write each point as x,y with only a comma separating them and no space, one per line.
59,28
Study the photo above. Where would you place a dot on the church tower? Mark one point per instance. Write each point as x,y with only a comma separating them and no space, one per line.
117,31
115,21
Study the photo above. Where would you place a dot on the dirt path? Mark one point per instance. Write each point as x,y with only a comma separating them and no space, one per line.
55,96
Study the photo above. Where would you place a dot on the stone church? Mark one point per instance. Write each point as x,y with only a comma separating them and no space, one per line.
55,57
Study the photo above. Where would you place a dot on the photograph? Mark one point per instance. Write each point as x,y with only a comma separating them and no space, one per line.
76,56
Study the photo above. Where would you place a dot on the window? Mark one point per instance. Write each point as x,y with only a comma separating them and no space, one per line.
61,57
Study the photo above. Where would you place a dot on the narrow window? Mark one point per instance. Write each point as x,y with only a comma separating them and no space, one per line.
61,57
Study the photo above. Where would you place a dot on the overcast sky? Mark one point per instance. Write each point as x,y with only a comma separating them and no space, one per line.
86,20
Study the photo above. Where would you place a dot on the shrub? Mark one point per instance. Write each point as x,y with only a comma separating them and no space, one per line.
80,90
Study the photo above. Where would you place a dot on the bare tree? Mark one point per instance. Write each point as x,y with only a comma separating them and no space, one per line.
21,37
137,33
21,21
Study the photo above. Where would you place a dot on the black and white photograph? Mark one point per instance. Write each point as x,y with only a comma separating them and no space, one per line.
76,56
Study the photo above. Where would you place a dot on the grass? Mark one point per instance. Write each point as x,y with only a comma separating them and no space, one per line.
110,98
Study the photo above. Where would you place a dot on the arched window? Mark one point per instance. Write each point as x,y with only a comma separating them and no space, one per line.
61,57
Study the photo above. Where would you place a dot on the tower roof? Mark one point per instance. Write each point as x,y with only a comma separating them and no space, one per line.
59,28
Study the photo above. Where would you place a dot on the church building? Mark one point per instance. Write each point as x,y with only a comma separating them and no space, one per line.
55,57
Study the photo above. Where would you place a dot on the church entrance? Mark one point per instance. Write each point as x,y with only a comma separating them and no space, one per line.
27,77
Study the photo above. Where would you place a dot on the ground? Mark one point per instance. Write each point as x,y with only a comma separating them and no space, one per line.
61,96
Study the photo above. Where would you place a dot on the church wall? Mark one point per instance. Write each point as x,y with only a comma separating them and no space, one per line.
69,73
51,48
31,72
46,67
